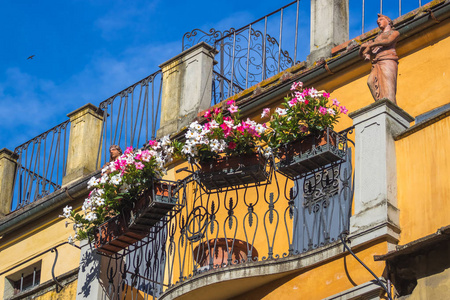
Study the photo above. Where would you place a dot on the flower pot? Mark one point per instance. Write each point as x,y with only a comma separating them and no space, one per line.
134,224
307,155
223,247
235,171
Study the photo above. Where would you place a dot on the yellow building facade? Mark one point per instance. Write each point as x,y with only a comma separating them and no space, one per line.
394,216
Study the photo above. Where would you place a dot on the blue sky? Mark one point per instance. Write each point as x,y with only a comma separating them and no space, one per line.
87,50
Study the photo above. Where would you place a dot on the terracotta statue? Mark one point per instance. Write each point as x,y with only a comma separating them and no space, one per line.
382,80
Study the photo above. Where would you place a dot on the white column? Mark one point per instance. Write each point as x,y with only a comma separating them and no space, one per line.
375,201
187,85
329,27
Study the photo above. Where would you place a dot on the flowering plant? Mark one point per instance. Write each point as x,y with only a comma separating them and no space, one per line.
222,134
119,186
306,112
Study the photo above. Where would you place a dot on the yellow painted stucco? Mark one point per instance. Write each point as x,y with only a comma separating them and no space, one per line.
423,167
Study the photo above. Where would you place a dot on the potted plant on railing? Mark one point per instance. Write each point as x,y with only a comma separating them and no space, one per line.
226,149
127,199
301,132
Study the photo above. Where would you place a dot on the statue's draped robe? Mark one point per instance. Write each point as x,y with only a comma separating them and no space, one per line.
382,80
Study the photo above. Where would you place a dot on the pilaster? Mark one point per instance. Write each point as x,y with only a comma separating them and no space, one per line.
85,134
187,84
92,279
375,207
329,27
8,165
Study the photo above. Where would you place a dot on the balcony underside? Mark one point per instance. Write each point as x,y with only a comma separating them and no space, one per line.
235,280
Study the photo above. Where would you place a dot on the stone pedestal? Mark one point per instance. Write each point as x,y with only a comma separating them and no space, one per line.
8,165
375,205
85,135
187,84
329,27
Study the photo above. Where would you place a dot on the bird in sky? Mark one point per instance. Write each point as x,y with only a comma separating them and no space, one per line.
31,57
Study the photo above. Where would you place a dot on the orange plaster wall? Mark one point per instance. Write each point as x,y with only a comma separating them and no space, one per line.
423,169
325,280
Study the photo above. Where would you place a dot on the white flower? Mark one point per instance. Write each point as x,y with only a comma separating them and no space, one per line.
91,217
331,111
67,210
165,141
99,201
215,145
280,111
92,182
70,240
268,152
87,204
195,126
116,179
190,134
214,124
313,92
260,128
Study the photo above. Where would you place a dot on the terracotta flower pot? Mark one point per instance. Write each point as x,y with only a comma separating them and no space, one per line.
233,171
220,253
134,224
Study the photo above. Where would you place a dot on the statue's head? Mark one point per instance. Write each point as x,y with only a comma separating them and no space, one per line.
380,16
114,152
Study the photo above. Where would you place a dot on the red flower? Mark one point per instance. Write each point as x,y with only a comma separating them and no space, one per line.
231,145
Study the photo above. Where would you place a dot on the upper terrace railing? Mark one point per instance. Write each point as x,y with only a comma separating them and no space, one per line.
131,117
256,51
41,165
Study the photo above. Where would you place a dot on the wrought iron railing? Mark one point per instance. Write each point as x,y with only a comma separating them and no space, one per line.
131,117
218,230
363,13
256,51
41,165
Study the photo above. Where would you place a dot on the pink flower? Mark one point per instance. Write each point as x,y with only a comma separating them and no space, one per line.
128,150
293,102
226,129
207,114
265,113
326,95
230,102
216,111
335,102
344,110
231,145
153,143
303,128
323,110
139,165
240,128
233,109
296,85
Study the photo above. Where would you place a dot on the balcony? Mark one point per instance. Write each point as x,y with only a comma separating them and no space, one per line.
220,237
